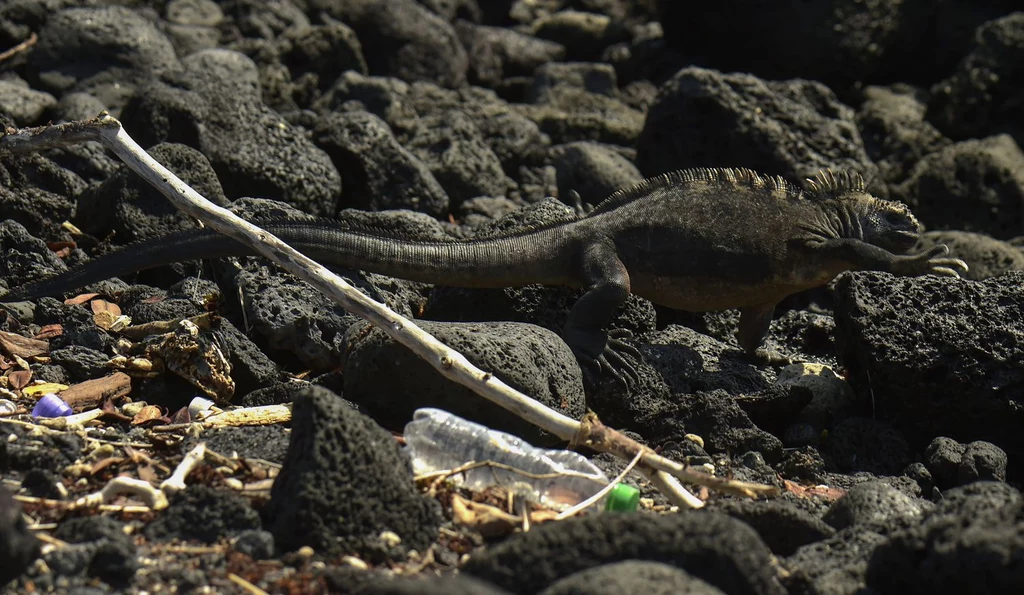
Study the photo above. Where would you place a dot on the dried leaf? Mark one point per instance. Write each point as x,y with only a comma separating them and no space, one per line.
488,520
147,473
19,379
50,331
181,416
104,313
102,464
823,492
18,346
110,412
59,246
147,413
137,456
104,320
43,388
80,299
120,323
105,306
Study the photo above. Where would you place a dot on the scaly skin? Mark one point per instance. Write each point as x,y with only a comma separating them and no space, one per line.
697,240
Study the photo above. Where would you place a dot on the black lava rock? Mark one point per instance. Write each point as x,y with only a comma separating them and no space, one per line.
343,482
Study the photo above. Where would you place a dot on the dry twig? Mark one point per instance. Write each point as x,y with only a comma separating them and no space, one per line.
21,47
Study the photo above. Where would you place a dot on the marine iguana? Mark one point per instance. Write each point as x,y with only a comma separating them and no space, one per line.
696,239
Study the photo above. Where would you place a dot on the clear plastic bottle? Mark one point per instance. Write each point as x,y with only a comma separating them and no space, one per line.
438,440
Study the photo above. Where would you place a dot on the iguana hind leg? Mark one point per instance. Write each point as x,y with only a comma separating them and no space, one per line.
754,324
607,283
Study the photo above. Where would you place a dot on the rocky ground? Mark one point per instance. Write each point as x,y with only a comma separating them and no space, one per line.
897,450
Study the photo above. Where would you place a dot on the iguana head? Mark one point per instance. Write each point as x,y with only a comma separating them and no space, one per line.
885,223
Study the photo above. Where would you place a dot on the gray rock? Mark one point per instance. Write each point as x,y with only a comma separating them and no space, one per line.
585,35
289,316
454,150
833,566
252,149
972,543
942,458
832,398
592,169
591,77
390,382
631,576
381,173
24,105
703,118
205,514
896,136
18,546
943,355
403,39
37,193
783,526
81,362
838,42
568,114
106,51
877,506
986,256
865,444
26,257
973,185
199,13
713,547
514,138
134,210
78,106
982,96
257,544
496,52
422,584
266,21
981,461
324,50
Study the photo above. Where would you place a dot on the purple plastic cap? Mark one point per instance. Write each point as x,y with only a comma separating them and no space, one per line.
50,405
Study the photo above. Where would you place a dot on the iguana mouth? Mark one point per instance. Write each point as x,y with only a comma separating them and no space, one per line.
903,239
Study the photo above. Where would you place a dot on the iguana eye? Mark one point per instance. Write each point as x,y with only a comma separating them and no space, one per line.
893,218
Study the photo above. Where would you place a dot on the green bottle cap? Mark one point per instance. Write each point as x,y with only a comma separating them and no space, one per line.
622,498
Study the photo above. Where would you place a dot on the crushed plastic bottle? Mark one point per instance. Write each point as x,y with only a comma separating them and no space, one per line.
438,440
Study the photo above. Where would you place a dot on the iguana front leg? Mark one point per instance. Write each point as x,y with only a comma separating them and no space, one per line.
859,255
607,283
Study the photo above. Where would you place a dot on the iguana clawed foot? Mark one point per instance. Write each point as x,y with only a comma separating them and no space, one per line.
931,261
602,353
